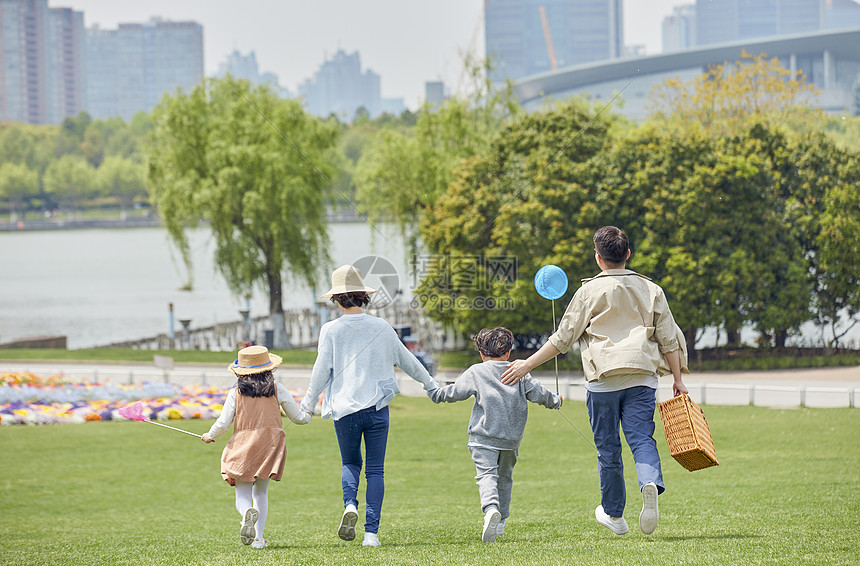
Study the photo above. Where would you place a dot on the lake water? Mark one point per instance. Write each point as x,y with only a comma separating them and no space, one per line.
102,286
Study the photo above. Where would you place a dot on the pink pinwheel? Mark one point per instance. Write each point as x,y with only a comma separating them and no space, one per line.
134,412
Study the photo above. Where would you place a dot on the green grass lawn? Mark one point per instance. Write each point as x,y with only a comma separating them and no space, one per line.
786,492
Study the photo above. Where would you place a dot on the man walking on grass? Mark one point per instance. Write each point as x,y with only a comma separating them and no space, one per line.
625,331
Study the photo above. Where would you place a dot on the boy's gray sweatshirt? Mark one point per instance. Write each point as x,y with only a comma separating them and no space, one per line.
500,411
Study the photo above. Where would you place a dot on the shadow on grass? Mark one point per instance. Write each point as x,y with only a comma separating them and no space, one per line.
347,546
709,537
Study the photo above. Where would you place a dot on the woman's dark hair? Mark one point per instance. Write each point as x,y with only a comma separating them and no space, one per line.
347,300
494,342
612,244
257,384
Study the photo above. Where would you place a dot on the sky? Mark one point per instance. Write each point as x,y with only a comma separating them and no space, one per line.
406,42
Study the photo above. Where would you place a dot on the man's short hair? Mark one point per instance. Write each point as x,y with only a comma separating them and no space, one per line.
494,342
612,244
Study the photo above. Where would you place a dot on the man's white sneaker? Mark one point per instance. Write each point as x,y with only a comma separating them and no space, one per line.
617,526
247,532
346,531
500,528
491,523
370,539
650,514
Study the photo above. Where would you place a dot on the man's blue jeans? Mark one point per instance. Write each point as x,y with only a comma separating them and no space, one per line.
633,410
373,425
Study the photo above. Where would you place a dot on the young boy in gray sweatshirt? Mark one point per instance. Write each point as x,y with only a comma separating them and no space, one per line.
497,424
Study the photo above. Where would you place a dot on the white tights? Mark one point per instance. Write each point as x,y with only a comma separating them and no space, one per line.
254,495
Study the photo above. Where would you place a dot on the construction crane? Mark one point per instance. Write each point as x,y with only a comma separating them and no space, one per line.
547,36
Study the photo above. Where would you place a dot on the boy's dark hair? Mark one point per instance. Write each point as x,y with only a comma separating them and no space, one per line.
257,384
347,300
612,244
494,342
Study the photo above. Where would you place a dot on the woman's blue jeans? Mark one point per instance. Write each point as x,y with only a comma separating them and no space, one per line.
633,410
373,426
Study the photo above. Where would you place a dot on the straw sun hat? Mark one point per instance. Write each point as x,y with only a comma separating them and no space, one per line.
347,279
254,359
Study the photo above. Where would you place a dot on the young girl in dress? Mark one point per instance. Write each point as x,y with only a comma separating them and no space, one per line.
256,452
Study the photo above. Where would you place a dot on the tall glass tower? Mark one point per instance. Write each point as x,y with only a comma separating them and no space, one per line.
525,37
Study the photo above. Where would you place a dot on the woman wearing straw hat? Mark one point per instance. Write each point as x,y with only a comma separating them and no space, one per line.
256,452
355,371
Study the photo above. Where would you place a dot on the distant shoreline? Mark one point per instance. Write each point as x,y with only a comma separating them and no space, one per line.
31,225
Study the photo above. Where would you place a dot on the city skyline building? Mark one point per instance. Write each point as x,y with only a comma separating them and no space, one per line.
679,28
723,21
711,22
527,37
340,87
41,62
245,67
129,69
841,14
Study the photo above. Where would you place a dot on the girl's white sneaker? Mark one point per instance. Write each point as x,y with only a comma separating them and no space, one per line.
259,544
247,532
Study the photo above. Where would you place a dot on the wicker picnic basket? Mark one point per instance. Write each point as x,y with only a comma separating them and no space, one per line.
687,433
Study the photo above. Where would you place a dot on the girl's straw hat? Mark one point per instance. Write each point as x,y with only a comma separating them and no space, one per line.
347,279
254,359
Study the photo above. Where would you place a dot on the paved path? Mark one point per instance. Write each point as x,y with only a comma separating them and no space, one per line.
818,387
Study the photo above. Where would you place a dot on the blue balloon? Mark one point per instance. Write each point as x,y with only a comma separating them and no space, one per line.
551,282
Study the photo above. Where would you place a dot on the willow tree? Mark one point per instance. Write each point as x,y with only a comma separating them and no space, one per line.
256,168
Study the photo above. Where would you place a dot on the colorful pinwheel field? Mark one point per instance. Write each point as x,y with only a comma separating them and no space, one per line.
30,399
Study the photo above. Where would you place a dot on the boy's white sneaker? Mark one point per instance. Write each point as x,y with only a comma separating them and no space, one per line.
500,528
617,526
370,539
247,532
650,515
346,531
491,524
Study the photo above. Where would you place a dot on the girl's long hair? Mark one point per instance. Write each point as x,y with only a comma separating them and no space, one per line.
257,385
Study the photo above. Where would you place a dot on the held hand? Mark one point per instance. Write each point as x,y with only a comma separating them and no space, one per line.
205,438
678,388
517,370
560,400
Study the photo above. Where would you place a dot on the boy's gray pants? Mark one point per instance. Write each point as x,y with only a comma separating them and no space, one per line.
495,470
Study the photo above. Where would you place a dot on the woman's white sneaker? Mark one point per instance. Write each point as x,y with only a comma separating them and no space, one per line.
370,539
346,530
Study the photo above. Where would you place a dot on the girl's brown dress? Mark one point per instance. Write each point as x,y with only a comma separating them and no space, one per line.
257,448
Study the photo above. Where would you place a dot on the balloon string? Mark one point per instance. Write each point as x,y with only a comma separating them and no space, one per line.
556,357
